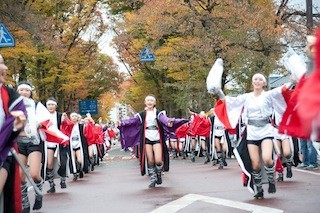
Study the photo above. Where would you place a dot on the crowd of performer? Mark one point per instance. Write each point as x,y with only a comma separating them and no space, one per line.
265,127
258,128
48,145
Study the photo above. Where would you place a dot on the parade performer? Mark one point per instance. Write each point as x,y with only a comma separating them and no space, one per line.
200,126
284,149
29,148
256,109
94,135
309,111
12,120
219,143
191,138
78,142
148,128
52,147
181,133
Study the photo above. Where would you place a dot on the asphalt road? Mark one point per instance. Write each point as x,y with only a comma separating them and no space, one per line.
117,186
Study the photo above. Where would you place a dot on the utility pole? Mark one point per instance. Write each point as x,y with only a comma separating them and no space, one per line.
309,14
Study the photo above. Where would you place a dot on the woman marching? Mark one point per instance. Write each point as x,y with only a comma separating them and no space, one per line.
29,148
219,141
79,163
148,128
256,109
284,145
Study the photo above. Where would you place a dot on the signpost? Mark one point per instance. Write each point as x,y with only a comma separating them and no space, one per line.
88,106
6,39
147,55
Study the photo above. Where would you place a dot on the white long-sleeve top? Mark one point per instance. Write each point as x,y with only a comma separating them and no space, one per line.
255,108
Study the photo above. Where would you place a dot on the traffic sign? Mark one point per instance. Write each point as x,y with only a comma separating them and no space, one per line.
88,106
147,55
6,39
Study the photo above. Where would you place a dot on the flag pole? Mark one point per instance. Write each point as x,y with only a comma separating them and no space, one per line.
24,169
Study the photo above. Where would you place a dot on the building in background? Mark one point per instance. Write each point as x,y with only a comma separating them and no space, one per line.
121,112
277,80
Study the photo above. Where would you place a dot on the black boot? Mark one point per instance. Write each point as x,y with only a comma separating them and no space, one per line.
193,156
63,183
49,177
153,176
206,155
80,173
159,173
91,159
174,154
75,176
38,198
219,154
183,154
214,162
270,174
280,177
257,180
259,194
224,159
25,198
79,170
289,168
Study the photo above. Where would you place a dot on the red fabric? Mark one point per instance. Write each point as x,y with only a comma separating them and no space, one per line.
200,126
89,133
94,134
111,133
52,136
220,109
279,167
17,187
5,100
67,126
309,96
203,129
99,134
287,94
291,123
245,179
181,131
233,131
194,124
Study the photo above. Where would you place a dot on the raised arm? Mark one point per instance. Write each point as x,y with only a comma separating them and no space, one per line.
131,121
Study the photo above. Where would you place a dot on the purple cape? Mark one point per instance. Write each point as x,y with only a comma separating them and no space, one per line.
7,135
130,129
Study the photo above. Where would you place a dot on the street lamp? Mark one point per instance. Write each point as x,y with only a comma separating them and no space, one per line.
309,16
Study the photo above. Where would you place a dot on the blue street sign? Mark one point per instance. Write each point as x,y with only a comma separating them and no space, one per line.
88,106
147,55
6,39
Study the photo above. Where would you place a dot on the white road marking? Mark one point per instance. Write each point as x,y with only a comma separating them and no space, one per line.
188,199
307,171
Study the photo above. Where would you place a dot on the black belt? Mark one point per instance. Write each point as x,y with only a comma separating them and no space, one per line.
152,127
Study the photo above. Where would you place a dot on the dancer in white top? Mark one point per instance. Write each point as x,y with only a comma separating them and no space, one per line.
256,108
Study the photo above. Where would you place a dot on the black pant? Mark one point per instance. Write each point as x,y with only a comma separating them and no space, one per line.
63,152
9,185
